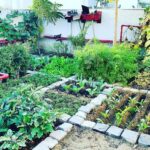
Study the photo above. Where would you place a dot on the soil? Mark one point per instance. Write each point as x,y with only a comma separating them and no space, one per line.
106,113
84,139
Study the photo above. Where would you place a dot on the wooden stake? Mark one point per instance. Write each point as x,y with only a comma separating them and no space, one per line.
116,22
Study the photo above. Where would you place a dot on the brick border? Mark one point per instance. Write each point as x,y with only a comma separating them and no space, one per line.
79,119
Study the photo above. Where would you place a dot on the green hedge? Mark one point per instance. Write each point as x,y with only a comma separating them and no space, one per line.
14,59
113,64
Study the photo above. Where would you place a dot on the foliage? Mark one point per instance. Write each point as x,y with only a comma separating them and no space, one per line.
36,80
79,40
145,34
24,117
46,10
25,29
14,59
65,103
84,88
142,81
61,66
61,48
116,64
37,63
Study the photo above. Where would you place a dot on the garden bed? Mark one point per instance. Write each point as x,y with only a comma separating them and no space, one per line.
126,110
64,103
83,88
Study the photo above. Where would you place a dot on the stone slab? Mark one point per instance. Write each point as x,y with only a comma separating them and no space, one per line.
99,99
58,134
81,114
50,142
114,131
88,124
100,127
67,127
64,118
144,140
130,136
87,108
76,120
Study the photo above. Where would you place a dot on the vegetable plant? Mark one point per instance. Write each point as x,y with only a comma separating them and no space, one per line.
24,117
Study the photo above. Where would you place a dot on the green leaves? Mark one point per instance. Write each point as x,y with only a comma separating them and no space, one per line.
61,66
46,10
32,118
14,59
113,64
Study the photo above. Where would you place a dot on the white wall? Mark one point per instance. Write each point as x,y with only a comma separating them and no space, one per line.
103,31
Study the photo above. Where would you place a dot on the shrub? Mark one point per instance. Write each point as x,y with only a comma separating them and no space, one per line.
24,117
116,64
14,59
37,80
61,66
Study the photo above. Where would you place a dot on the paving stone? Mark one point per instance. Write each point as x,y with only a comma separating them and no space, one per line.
144,140
143,91
76,120
66,127
81,114
88,124
87,108
99,99
114,131
64,118
58,134
50,142
108,91
100,127
130,136
41,146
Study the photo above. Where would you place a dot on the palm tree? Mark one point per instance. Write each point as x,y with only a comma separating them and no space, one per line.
46,10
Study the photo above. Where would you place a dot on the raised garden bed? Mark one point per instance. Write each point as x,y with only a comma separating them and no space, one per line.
126,110
3,76
64,103
82,88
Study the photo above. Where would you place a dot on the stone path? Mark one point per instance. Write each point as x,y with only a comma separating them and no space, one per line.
84,139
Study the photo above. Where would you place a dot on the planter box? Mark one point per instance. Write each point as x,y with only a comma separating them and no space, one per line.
3,76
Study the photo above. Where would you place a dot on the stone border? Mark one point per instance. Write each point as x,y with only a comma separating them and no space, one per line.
114,131
79,119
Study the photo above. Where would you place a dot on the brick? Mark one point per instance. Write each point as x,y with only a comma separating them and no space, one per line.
144,140
64,118
100,127
81,114
58,134
108,91
50,142
41,146
114,131
99,99
76,120
130,136
88,124
87,108
66,127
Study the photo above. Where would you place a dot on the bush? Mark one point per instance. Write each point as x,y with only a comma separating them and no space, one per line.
116,64
14,59
24,117
37,80
61,66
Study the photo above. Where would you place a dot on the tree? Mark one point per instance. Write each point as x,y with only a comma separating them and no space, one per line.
46,10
